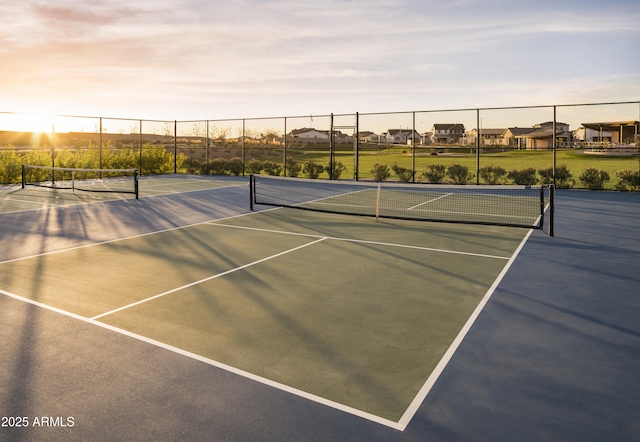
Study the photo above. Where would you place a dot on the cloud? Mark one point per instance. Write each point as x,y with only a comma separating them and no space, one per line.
291,54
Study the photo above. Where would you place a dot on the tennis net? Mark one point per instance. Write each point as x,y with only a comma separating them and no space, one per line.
80,179
506,205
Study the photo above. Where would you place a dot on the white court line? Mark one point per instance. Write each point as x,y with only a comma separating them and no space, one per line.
435,374
410,411
217,275
25,201
430,201
362,241
214,363
132,237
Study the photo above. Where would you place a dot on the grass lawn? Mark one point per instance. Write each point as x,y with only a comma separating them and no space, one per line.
575,161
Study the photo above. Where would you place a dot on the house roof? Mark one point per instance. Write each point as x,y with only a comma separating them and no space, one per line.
488,131
400,131
521,130
448,126
611,126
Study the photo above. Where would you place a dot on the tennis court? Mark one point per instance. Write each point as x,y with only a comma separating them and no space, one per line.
356,314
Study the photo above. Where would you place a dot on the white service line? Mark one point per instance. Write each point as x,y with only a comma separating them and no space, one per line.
361,241
430,201
218,275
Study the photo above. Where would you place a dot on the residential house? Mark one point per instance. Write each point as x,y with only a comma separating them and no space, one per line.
488,137
448,133
400,136
368,137
309,134
542,136
620,132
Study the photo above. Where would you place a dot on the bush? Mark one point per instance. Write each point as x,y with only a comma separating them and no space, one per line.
380,172
254,166
234,166
193,166
293,167
10,166
594,179
458,173
564,178
312,169
217,166
404,175
629,181
526,177
338,168
435,173
491,174
272,168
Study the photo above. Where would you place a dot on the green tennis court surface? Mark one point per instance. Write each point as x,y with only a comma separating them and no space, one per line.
347,311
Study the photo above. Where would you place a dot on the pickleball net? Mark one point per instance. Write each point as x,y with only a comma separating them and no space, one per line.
504,205
81,179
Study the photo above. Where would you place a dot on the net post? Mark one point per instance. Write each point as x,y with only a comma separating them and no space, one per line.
73,181
135,182
24,176
251,191
552,198
378,202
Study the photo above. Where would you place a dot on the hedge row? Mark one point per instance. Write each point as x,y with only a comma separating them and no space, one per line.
154,160
233,166
591,178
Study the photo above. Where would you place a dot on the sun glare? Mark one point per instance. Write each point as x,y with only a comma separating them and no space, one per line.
27,122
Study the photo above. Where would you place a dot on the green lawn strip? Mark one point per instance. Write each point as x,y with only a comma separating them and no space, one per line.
575,160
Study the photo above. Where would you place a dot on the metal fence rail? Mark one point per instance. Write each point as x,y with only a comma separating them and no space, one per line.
590,146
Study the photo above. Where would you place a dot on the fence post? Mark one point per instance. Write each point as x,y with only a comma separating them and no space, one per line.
175,146
285,147
242,146
479,135
140,147
100,147
356,160
554,145
413,149
331,147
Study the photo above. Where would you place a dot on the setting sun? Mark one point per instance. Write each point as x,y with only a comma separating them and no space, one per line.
27,122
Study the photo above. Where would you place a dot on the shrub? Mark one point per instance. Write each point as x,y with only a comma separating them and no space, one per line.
629,180
312,169
254,166
338,168
217,166
380,172
272,168
458,173
594,179
491,174
10,166
525,176
435,173
564,178
293,167
404,175
193,166
234,166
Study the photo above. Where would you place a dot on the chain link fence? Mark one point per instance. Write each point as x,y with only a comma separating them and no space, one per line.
587,146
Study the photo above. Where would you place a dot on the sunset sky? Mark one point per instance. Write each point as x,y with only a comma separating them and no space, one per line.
187,59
